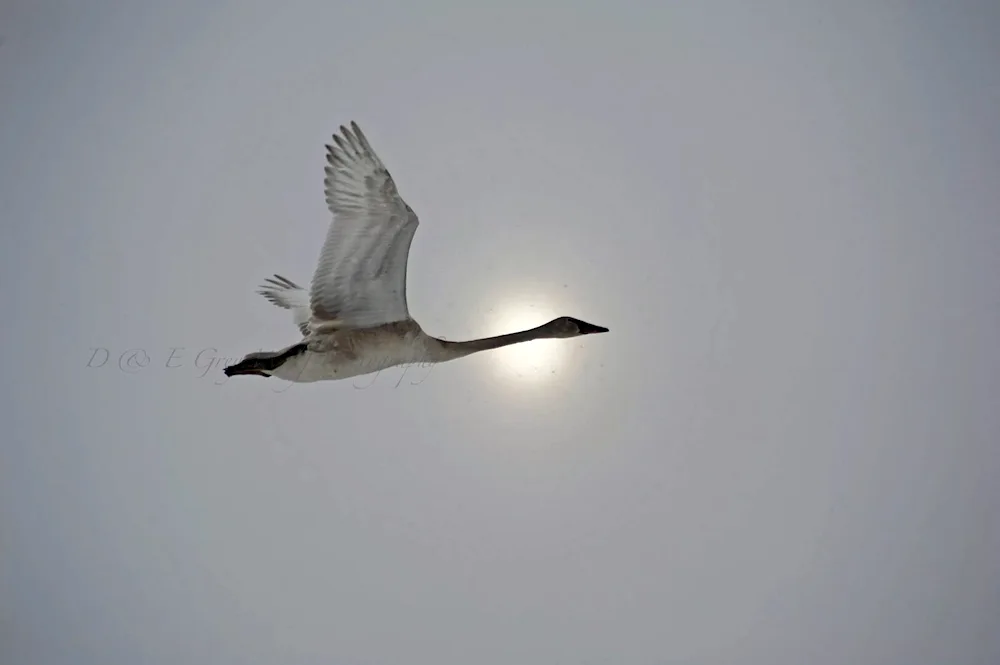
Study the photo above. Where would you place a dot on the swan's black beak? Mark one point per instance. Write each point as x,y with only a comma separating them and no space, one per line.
589,328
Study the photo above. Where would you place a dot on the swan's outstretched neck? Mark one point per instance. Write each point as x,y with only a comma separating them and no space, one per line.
451,350
557,328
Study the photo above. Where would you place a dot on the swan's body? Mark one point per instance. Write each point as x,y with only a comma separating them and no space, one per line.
354,319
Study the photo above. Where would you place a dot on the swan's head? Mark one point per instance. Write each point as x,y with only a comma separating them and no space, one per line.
567,326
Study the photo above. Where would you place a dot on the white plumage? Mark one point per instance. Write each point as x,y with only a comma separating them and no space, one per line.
361,277
355,319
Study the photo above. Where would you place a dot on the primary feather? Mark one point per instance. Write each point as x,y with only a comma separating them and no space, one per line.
286,294
360,280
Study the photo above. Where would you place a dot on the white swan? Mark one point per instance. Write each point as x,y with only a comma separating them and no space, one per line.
354,320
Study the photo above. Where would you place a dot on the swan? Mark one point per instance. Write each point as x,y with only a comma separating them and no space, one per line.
354,318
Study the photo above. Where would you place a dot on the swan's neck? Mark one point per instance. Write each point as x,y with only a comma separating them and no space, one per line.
451,350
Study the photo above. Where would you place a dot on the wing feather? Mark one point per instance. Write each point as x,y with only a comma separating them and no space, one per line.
285,293
360,279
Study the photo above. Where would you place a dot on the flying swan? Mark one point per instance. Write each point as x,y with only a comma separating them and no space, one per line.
354,319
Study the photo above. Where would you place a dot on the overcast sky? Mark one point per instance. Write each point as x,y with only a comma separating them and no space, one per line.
784,452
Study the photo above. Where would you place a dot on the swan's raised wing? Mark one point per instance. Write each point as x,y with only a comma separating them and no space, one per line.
286,294
360,280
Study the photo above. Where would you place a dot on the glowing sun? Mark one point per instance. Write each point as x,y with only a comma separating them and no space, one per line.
535,360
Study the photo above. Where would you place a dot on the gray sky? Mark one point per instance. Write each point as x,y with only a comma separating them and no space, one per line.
784,452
